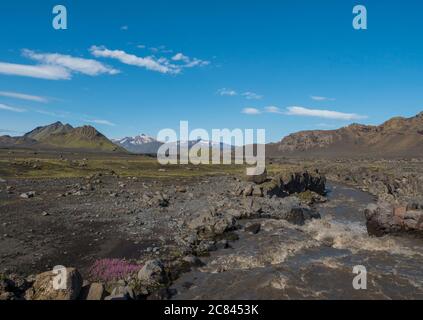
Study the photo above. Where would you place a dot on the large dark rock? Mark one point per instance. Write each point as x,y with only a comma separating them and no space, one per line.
210,222
286,184
299,216
257,178
384,219
304,181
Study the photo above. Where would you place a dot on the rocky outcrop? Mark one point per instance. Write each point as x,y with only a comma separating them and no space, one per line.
384,219
286,184
210,223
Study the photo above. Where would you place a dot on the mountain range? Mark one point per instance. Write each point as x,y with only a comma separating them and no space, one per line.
144,144
397,137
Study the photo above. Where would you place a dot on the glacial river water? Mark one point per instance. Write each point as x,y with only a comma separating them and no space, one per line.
314,261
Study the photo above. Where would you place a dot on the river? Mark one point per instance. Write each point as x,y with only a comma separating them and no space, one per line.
314,261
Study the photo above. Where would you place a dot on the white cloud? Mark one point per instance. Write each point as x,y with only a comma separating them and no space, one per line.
80,65
251,111
161,65
152,63
248,95
23,96
60,114
327,114
319,98
99,121
9,108
180,57
227,92
273,109
252,96
48,72
161,49
190,62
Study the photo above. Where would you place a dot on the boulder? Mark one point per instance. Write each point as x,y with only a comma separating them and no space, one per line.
44,289
210,223
193,261
258,191
253,228
93,291
152,273
290,209
28,195
257,178
248,190
122,293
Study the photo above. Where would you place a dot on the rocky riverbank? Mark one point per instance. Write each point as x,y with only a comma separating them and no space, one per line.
168,228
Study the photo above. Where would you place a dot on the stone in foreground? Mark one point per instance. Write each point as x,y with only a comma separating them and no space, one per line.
43,288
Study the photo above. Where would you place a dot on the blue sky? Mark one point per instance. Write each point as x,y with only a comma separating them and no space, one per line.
141,66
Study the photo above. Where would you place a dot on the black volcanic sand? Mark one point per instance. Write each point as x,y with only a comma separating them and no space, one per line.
112,221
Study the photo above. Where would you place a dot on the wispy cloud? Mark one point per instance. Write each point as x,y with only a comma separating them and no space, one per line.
248,94
160,49
190,62
72,64
60,114
47,72
23,96
273,109
124,28
12,109
227,92
55,66
320,98
152,63
251,111
100,121
327,114
251,95
149,63
306,112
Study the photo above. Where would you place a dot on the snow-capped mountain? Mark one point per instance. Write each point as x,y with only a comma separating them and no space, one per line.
144,144
212,144
137,140
141,144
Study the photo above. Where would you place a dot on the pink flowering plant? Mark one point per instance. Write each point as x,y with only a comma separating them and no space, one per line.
106,270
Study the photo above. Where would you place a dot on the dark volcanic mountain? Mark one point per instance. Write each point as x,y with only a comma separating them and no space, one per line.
398,137
60,136
43,133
